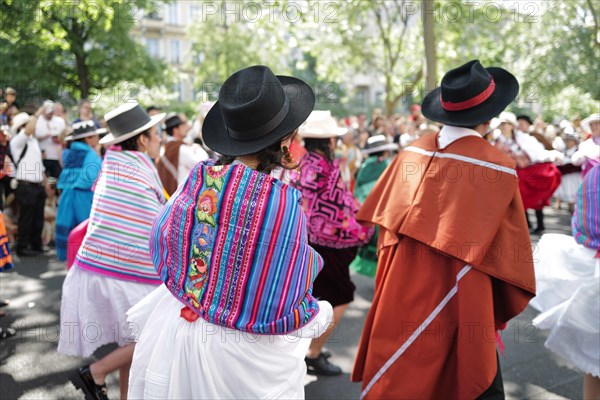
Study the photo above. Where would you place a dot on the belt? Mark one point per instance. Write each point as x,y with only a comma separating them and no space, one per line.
30,183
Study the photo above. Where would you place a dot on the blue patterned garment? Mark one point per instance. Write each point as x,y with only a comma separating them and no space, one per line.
81,166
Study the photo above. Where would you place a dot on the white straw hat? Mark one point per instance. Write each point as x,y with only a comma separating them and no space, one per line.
320,125
18,121
586,122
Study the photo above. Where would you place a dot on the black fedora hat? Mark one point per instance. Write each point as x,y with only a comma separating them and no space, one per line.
256,109
126,121
83,129
470,95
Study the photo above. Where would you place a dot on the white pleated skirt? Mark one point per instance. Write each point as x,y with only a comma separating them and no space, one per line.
569,184
93,311
568,296
178,359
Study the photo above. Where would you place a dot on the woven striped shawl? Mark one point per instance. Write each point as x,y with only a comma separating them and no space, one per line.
585,222
232,245
127,196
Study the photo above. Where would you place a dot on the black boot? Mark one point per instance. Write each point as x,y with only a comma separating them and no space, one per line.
539,216
527,219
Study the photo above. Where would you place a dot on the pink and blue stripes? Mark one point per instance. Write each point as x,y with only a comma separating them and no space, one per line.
261,268
586,219
127,196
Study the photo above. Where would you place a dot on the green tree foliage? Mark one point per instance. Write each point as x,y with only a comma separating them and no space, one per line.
550,46
355,36
81,47
229,35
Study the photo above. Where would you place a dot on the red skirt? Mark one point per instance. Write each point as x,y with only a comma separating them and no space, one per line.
537,183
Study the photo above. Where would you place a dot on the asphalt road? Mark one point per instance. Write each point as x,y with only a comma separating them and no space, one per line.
31,368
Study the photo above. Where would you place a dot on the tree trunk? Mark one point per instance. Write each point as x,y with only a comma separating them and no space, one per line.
428,35
83,74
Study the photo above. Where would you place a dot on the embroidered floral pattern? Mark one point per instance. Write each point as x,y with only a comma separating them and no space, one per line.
204,233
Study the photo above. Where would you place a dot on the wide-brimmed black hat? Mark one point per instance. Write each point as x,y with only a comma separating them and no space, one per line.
83,129
126,121
256,109
470,95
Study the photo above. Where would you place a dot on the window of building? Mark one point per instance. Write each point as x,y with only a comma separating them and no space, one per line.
175,51
153,47
195,11
173,15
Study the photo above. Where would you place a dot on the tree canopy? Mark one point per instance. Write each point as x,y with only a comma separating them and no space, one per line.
81,47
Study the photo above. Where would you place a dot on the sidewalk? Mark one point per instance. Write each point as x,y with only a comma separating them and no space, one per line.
30,366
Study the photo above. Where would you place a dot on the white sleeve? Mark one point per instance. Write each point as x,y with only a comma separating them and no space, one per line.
587,150
41,128
189,156
17,144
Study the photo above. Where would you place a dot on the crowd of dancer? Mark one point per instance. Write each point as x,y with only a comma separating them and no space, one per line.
197,241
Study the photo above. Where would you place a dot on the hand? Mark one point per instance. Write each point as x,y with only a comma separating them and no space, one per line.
39,112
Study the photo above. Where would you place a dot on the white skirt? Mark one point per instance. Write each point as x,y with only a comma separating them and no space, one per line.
93,311
568,296
177,359
569,185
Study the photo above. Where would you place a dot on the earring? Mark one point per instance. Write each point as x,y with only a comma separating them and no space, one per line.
287,156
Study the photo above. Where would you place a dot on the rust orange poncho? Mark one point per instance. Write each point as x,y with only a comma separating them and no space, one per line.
455,264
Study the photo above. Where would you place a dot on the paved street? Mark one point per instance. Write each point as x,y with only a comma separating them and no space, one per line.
31,367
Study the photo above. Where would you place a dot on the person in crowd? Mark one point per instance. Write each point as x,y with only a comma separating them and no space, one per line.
588,153
377,153
86,113
411,134
50,206
332,228
152,111
524,123
11,219
231,248
538,175
6,264
349,156
30,192
177,158
427,279
59,111
571,174
48,130
568,287
5,177
81,163
195,133
415,114
11,98
379,126
363,137
113,269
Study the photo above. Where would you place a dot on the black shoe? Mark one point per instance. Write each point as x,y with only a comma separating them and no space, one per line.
538,230
26,253
321,366
85,382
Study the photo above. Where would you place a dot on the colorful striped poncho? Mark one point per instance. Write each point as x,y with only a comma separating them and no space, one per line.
586,219
127,196
231,244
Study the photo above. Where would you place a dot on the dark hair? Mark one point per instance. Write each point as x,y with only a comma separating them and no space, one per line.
152,108
268,158
131,143
526,118
320,146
